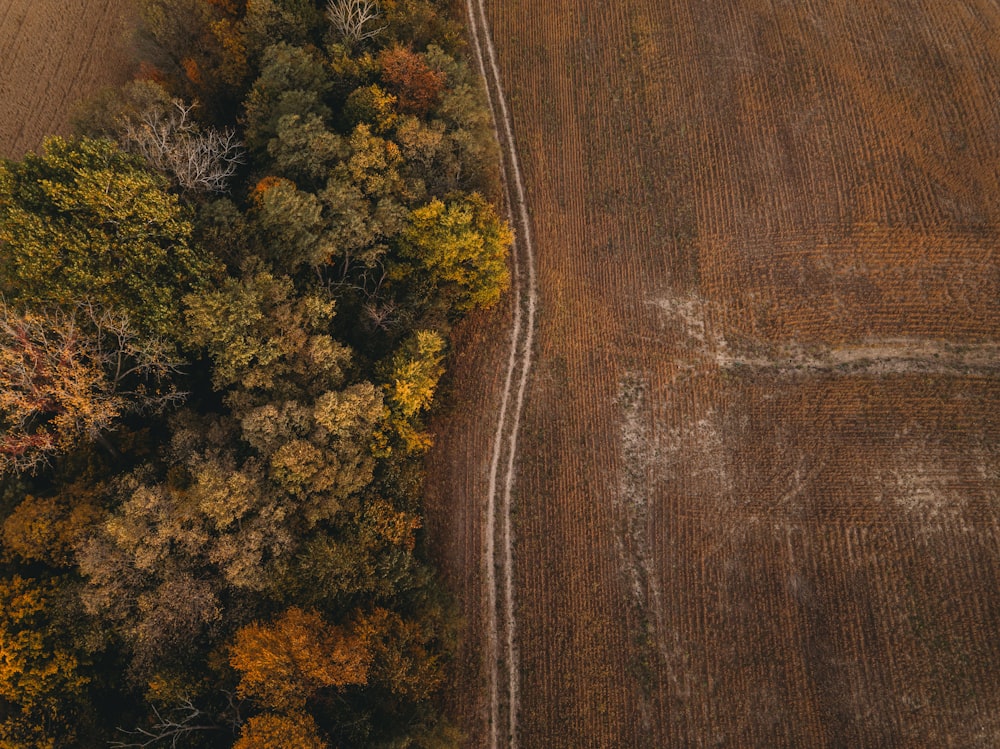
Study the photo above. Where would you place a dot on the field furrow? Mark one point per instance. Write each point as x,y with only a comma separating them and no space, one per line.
55,54
758,475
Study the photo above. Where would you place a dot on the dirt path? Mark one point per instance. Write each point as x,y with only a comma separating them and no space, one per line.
52,54
504,454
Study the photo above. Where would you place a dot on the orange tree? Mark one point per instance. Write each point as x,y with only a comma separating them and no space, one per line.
66,377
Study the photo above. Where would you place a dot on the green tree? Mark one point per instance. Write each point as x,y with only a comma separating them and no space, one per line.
292,80
419,23
290,225
85,222
471,146
304,150
290,21
262,335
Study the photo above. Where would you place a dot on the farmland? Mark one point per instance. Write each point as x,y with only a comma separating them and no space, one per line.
55,54
756,499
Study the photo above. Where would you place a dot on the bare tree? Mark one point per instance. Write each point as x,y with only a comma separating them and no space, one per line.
172,143
350,17
381,316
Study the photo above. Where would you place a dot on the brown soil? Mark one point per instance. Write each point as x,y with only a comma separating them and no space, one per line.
755,507
53,54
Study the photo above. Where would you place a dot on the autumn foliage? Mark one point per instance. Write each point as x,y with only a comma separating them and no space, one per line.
286,662
280,731
407,75
66,378
216,364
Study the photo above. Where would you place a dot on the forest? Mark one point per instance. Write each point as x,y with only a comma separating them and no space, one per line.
226,306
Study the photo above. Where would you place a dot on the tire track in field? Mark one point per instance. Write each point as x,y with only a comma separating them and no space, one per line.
503,459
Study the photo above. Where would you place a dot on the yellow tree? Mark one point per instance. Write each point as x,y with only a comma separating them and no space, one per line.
49,529
39,676
462,245
280,731
416,369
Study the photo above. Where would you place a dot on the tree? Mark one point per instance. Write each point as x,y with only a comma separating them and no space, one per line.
85,222
214,522
40,675
402,654
284,663
280,731
355,20
365,206
416,369
161,567
407,74
373,106
292,80
198,48
418,23
369,555
181,723
270,21
262,335
238,499
303,149
420,142
470,142
49,529
198,159
319,453
290,224
66,377
373,165
462,246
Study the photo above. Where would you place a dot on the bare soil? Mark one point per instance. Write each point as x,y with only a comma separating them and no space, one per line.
758,496
52,55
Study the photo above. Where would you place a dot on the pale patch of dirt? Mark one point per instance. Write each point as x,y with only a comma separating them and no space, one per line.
642,475
880,357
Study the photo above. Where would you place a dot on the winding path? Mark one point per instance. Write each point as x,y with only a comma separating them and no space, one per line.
498,565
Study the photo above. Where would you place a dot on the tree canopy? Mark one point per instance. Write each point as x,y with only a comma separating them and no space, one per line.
225,315
83,222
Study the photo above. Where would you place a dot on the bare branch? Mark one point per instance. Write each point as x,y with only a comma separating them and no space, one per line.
349,18
168,139
178,724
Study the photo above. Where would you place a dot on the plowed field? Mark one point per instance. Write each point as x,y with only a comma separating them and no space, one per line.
757,497
52,54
